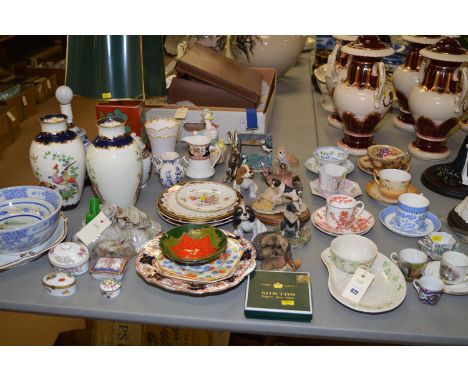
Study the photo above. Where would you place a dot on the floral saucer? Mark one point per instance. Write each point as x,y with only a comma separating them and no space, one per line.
372,189
365,165
362,224
387,217
432,269
311,165
387,291
350,188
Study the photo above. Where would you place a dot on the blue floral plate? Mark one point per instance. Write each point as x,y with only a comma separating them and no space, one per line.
387,217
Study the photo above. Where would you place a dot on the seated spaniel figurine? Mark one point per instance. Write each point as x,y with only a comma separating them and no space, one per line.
244,181
244,220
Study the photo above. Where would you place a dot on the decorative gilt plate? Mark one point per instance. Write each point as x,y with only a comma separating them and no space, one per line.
206,196
148,271
216,270
387,291
174,221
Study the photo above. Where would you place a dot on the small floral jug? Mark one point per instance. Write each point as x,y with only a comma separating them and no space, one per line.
170,167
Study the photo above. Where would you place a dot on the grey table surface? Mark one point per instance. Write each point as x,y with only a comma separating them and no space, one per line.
299,122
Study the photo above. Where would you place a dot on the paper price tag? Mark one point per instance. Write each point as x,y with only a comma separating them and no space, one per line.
181,113
106,95
25,101
11,116
49,85
94,228
358,285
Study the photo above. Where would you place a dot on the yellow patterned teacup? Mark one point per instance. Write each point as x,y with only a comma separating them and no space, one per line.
392,182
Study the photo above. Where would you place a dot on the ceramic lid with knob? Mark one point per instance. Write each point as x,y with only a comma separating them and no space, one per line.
419,39
68,255
344,37
447,49
368,46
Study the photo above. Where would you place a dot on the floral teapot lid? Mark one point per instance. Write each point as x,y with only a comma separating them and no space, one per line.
368,46
420,39
68,255
447,49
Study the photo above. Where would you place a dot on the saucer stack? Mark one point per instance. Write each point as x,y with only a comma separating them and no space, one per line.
217,275
198,202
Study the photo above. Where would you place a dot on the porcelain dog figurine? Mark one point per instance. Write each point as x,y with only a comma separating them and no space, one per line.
244,181
291,222
283,190
244,220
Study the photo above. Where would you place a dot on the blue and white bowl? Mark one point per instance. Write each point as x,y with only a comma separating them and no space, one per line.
25,230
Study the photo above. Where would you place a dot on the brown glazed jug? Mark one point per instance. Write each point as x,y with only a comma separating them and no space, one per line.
440,100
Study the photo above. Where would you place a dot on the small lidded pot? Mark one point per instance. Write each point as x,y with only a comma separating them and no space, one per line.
70,257
110,288
59,284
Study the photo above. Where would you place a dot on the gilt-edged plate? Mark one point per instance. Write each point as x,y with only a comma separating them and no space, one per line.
148,271
206,196
178,222
387,291
13,260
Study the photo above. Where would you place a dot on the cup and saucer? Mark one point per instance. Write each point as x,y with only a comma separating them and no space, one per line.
332,180
329,155
411,217
389,184
384,157
343,215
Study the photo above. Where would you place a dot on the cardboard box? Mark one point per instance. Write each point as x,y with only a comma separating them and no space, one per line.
24,103
228,119
12,116
14,103
51,85
59,73
40,85
130,111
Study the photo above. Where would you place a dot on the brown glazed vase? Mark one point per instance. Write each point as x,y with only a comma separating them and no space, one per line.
363,98
406,77
440,100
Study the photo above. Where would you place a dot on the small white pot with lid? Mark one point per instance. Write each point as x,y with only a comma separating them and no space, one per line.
70,257
59,284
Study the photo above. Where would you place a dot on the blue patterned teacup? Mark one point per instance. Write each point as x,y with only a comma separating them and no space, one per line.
429,289
411,212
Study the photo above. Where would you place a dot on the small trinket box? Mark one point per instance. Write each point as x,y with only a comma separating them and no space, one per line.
108,267
59,284
110,288
70,257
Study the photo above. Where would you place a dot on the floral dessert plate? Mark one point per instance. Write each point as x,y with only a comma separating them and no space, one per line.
206,196
361,225
372,189
12,260
387,217
387,291
432,269
349,188
215,270
170,206
149,273
177,222
193,244
312,165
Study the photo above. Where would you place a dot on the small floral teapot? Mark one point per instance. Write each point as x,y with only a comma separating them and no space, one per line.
170,167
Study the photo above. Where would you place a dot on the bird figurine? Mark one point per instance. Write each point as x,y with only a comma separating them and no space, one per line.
285,159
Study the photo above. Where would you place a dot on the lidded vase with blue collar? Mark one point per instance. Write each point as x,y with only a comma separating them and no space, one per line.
57,157
115,164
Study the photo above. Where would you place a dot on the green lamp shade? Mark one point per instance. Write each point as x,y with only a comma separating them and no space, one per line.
116,67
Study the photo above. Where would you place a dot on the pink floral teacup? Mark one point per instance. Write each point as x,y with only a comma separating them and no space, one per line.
342,210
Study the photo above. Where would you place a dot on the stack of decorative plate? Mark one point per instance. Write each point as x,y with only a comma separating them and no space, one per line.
198,202
196,260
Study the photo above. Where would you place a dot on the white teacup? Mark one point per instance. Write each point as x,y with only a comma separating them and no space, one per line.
411,262
332,177
392,182
454,267
350,252
342,210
